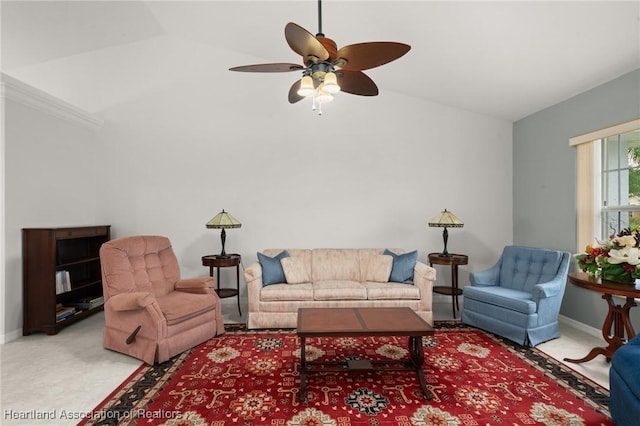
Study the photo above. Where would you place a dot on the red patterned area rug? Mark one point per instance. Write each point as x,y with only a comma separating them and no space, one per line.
252,378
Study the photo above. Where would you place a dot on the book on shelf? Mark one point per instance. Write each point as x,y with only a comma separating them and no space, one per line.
64,312
86,303
63,281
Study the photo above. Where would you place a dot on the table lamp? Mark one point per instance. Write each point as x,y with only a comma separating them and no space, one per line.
445,219
223,220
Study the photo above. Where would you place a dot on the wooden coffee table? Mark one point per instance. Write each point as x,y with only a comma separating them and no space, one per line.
363,322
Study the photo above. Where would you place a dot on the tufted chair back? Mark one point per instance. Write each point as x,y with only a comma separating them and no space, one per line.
140,264
521,268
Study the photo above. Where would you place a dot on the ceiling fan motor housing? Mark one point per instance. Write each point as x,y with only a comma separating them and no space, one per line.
320,69
330,45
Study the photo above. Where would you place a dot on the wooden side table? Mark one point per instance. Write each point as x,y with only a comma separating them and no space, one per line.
217,261
617,321
454,260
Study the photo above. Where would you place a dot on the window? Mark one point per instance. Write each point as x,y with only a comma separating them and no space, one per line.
619,200
607,181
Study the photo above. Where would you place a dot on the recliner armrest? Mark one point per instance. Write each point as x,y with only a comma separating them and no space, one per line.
131,301
203,285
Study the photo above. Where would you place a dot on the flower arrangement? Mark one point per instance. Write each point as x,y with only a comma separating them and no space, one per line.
617,259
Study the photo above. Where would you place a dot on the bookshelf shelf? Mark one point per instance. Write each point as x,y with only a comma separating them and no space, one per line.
45,251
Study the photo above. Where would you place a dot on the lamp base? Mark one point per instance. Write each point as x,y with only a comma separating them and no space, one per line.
445,237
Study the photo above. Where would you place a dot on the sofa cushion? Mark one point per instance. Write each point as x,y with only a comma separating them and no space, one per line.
403,265
295,270
339,290
391,291
335,264
379,268
272,272
286,292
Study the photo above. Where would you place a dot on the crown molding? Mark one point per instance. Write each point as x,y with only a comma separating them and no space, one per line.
17,91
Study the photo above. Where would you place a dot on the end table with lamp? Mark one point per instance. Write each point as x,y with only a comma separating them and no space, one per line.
446,219
229,260
454,260
224,220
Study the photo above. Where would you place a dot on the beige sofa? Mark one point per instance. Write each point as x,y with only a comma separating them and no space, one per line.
333,278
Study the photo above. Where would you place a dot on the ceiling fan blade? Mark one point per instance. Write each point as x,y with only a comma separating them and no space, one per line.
293,93
364,56
304,43
356,83
279,67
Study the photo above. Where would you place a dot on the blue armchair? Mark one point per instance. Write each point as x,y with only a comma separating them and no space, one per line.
624,383
519,298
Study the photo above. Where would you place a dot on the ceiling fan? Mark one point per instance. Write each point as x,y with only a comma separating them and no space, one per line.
326,69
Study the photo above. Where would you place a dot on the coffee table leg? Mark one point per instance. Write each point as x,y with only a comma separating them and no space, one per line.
303,371
417,358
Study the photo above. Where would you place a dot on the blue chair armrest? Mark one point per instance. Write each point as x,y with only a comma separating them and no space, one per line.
556,286
487,277
548,289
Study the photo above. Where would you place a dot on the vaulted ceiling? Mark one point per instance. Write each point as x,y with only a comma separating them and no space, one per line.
503,59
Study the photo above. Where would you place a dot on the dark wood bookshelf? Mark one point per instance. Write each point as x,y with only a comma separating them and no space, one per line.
46,251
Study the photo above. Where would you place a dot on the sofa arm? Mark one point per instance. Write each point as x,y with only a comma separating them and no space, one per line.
131,301
253,277
200,285
253,272
423,278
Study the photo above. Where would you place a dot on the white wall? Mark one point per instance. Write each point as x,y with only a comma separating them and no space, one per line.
370,172
50,180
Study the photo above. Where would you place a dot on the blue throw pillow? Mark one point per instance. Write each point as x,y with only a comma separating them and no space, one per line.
403,264
272,272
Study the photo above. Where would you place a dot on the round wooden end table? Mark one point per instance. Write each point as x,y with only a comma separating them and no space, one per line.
453,260
217,261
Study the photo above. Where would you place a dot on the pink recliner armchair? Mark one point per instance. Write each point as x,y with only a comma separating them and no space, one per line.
150,313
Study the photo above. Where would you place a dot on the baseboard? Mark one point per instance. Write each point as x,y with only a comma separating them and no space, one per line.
592,331
8,337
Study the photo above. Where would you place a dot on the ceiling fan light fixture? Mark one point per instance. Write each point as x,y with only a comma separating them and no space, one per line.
323,96
306,86
331,83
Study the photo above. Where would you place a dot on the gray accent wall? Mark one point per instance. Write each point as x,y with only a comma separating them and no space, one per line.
544,174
